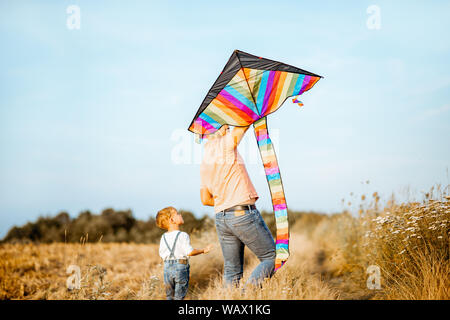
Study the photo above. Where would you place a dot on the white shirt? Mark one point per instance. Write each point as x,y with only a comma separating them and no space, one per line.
182,248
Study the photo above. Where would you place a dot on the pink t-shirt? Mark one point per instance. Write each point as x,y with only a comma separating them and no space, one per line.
223,173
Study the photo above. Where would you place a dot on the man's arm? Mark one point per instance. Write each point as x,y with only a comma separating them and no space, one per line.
206,197
238,134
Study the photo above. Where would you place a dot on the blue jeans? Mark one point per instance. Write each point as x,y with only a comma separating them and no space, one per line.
176,279
237,229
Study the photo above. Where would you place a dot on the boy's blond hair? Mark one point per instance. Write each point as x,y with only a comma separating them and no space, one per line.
163,217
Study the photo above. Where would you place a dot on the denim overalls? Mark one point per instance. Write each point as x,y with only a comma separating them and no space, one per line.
176,274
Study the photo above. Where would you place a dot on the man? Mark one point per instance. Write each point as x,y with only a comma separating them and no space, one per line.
225,184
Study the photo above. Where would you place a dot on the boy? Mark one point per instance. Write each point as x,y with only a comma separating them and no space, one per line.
174,249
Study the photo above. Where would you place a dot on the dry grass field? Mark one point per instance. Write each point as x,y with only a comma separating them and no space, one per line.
409,242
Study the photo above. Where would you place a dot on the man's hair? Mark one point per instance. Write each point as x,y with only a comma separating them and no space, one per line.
163,217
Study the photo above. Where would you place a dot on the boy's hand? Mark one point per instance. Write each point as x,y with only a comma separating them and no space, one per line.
208,248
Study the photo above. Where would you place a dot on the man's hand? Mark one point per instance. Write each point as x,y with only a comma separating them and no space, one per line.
206,197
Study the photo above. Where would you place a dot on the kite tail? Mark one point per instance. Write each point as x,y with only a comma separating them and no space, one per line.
272,171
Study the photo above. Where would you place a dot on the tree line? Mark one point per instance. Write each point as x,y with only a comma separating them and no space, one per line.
120,226
108,226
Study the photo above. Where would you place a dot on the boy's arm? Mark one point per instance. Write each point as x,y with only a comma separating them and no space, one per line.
196,252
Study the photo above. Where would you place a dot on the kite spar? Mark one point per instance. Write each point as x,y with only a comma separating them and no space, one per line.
248,89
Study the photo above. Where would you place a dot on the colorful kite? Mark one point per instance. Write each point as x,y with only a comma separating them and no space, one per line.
248,89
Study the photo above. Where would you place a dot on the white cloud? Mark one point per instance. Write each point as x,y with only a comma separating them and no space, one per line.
429,113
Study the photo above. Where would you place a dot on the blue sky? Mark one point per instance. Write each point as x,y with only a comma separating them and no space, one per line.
91,118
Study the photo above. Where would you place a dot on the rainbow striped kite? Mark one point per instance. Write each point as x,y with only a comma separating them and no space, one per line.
248,89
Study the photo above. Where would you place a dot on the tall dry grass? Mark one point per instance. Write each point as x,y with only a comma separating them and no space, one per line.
296,280
409,242
134,271
108,271
329,258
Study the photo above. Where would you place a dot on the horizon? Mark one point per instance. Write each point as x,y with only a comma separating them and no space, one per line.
97,117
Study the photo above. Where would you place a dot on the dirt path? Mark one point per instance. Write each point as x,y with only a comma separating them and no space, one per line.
349,285
309,273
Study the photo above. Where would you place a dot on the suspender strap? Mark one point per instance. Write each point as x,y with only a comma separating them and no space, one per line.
174,244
